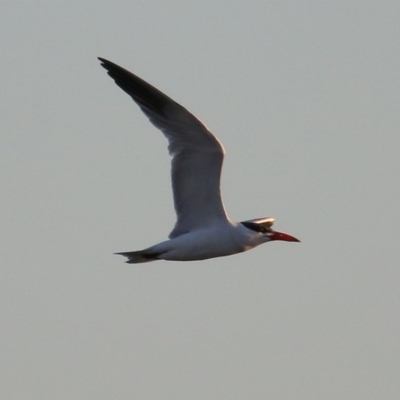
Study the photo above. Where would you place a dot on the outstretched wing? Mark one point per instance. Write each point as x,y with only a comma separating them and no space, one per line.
197,155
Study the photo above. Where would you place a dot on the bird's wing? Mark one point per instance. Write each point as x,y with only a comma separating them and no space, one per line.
197,155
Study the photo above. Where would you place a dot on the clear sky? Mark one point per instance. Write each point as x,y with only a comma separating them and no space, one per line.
305,97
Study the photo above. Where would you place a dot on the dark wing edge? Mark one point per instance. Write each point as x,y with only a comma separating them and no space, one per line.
144,94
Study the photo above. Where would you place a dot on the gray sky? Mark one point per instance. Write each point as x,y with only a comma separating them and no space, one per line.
305,97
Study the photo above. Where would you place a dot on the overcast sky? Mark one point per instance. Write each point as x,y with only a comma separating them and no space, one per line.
305,97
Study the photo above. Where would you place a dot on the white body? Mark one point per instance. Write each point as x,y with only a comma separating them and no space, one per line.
221,240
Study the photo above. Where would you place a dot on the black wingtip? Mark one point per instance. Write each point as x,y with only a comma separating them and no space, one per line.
104,62
145,95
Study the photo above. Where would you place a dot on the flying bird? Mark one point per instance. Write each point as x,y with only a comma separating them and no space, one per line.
203,229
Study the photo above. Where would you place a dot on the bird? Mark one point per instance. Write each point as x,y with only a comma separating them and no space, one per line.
203,230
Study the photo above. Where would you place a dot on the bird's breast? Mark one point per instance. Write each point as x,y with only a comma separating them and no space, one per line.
207,243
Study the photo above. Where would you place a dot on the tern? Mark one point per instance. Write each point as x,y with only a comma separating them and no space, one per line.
203,229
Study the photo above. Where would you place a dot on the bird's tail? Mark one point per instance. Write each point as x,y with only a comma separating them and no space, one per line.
141,256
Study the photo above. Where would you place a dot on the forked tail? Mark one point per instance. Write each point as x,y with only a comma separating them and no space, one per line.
141,256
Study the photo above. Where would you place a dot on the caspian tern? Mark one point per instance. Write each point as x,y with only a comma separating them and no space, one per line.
203,230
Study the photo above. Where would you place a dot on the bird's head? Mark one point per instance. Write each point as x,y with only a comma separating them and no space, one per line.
267,234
